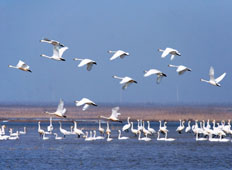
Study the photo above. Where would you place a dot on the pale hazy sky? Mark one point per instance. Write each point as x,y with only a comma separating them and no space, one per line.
200,30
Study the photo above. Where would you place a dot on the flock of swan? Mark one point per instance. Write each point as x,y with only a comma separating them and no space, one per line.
203,131
214,133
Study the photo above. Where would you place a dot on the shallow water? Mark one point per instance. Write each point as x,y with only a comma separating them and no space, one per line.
31,152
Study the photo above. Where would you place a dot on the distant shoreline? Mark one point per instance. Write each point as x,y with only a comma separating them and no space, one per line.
155,113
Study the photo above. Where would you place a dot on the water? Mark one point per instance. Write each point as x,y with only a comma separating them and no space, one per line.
31,152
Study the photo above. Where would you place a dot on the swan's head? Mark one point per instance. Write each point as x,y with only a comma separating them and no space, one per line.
43,55
127,54
189,69
160,50
218,85
178,53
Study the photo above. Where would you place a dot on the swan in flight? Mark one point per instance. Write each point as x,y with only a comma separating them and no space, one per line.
126,127
21,66
126,81
60,110
180,69
86,102
121,138
117,54
212,80
53,42
159,74
171,51
87,62
57,53
114,115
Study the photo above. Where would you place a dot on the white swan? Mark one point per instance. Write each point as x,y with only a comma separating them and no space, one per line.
121,138
126,127
63,131
13,134
108,138
145,131
23,132
101,130
135,131
118,53
53,42
21,66
212,80
90,138
44,137
171,51
97,137
57,137
168,139
60,111
200,139
114,115
13,137
188,128
144,138
158,136
108,131
163,129
40,131
57,53
180,127
159,74
149,128
50,127
180,69
2,130
126,81
87,62
86,102
77,131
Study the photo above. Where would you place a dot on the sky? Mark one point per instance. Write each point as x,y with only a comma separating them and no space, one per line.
199,30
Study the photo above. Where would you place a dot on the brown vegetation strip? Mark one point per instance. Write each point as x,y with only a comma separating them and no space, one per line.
146,113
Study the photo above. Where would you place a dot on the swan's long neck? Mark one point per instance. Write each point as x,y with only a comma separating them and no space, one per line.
148,124
77,59
128,120
43,55
158,135
170,65
119,134
12,66
99,124
205,80
116,77
160,124
103,117
51,121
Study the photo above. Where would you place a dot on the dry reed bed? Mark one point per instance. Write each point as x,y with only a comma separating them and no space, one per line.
169,113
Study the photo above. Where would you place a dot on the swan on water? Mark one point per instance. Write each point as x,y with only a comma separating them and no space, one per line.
121,138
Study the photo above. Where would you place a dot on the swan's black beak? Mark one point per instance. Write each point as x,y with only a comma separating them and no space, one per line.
29,71
62,59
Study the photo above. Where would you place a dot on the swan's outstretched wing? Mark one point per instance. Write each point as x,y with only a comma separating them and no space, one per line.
159,78
117,54
211,74
62,50
166,52
89,66
22,65
115,112
150,72
217,80
60,107
86,106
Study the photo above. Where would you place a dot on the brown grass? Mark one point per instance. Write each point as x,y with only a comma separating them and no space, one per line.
146,113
